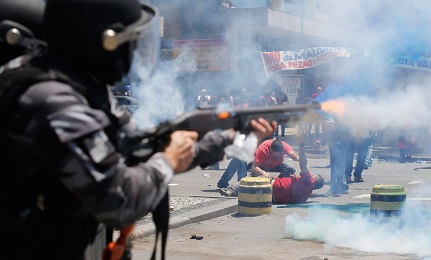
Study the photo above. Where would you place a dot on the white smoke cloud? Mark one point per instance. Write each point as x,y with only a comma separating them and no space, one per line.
400,107
406,234
383,94
160,97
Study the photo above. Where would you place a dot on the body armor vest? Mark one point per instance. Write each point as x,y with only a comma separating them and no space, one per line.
35,220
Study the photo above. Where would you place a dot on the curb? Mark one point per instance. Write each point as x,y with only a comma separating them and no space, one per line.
214,211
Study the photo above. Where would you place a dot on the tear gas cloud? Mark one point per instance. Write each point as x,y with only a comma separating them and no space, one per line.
407,234
370,86
160,96
373,89
373,81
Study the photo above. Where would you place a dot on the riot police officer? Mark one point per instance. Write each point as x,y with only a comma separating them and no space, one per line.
66,152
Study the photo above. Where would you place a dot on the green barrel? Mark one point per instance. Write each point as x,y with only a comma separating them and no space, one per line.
254,196
387,200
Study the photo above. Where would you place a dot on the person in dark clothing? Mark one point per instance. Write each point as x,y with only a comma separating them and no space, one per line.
281,99
360,142
71,156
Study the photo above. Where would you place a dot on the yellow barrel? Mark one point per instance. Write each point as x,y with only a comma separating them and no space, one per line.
254,196
387,200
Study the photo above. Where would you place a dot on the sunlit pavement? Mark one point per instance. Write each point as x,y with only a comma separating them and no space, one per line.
333,228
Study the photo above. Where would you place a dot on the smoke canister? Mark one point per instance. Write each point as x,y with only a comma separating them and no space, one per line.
254,196
387,200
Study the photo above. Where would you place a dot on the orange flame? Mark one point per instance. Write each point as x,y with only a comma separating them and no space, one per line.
223,115
336,106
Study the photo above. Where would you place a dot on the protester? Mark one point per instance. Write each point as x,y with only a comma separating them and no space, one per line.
226,100
360,143
317,124
266,99
338,142
405,145
281,99
70,155
204,100
319,90
288,188
293,189
269,157
235,165
243,99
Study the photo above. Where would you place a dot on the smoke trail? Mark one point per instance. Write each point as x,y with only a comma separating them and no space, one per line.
403,108
160,97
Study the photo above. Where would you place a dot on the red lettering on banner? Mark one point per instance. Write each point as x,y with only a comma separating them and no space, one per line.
276,68
271,57
299,64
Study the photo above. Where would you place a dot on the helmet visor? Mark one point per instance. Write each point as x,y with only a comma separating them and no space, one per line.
144,39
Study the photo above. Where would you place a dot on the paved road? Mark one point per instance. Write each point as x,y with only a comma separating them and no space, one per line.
332,228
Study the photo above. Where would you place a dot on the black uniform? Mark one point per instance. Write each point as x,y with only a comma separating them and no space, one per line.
65,170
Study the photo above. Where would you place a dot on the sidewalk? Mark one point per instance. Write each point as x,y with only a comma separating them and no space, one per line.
202,212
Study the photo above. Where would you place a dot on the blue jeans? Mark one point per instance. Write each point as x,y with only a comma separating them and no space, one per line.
234,165
337,154
283,129
361,146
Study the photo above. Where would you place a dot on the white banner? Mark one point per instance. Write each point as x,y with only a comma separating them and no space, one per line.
418,63
276,61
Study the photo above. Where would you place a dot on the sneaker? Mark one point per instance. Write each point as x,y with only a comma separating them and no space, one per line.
358,179
331,194
344,192
229,191
225,192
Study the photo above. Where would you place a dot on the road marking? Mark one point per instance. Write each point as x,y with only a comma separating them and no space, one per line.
416,182
363,196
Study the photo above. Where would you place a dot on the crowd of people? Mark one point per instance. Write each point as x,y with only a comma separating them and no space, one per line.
342,142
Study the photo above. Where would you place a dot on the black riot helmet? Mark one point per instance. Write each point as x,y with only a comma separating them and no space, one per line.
20,24
103,37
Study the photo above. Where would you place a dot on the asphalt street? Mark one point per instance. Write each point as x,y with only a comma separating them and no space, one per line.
332,228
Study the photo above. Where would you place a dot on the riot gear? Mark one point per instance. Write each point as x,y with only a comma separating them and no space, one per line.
101,37
20,25
79,175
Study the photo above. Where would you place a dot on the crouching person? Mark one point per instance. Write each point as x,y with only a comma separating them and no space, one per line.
288,188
